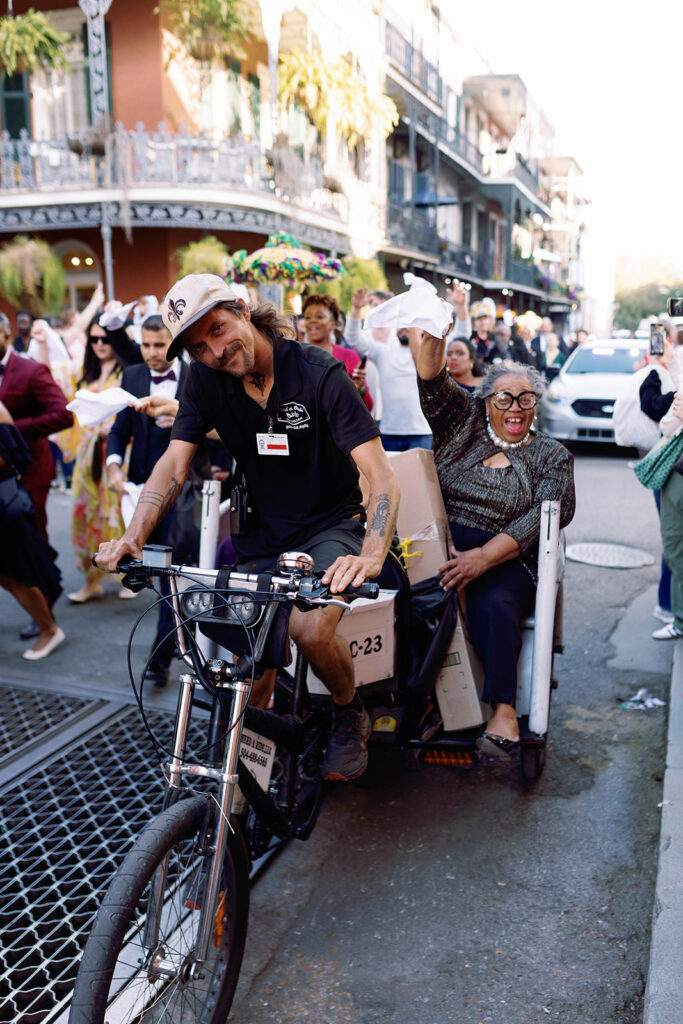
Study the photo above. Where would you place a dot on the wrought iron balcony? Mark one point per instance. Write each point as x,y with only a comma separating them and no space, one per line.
410,228
461,145
132,159
404,56
522,272
460,259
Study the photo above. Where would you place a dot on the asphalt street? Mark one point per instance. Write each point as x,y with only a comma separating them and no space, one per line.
438,895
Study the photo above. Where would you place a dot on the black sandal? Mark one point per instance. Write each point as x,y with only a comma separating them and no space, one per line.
489,743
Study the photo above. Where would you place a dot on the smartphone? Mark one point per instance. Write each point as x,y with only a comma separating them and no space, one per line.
674,307
657,337
361,365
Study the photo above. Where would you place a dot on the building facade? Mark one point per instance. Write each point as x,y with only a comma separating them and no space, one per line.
144,147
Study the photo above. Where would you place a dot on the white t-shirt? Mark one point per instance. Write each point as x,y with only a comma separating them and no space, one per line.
401,411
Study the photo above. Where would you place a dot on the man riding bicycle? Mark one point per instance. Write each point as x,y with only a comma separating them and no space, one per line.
294,422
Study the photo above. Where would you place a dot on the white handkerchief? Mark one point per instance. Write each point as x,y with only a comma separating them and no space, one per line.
420,307
93,407
129,500
417,282
117,315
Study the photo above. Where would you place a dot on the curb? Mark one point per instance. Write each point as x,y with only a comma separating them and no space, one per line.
664,990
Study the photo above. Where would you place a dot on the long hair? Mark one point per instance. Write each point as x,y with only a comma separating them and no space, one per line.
126,352
264,317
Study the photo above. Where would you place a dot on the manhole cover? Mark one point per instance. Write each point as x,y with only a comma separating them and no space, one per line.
611,556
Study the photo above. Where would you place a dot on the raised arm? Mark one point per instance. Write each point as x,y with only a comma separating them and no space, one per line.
157,499
428,352
362,344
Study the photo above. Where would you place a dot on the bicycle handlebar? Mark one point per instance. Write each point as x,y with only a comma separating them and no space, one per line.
308,589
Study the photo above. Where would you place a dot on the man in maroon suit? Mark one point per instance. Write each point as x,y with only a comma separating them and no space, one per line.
38,407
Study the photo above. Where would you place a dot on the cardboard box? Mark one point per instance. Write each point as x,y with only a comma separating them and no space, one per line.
370,632
460,685
422,522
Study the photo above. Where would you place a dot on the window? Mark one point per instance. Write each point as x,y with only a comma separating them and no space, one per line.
396,182
16,111
255,99
234,96
467,224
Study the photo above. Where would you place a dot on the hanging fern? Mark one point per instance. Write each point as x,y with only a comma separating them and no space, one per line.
208,28
29,42
207,256
31,276
338,89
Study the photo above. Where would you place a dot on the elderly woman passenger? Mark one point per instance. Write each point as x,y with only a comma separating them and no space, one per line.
495,471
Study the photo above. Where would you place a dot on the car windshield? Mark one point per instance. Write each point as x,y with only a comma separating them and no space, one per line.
605,359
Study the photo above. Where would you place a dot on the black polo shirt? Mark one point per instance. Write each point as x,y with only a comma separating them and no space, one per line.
316,405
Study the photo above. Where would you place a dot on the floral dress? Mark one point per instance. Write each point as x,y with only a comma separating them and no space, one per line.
96,514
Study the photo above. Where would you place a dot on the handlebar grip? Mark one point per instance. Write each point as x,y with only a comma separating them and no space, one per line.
123,565
368,590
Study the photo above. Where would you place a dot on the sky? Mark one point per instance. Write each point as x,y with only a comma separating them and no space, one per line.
610,79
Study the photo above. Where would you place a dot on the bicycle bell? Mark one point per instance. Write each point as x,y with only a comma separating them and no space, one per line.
295,563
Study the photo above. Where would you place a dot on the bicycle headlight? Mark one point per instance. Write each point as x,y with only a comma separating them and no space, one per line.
234,608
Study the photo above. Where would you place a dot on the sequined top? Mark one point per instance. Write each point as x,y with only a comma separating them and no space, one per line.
506,500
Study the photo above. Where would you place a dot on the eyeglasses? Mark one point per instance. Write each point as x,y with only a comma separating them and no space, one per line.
504,400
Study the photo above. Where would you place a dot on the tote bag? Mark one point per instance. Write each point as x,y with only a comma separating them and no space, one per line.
655,469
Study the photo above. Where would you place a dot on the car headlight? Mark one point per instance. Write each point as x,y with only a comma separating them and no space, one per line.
555,394
237,609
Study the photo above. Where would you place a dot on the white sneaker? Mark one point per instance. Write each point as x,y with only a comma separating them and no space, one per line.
668,632
662,614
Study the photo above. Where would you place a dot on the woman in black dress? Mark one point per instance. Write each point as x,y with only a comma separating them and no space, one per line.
27,562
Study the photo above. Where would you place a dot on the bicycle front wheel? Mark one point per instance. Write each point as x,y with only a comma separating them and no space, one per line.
120,980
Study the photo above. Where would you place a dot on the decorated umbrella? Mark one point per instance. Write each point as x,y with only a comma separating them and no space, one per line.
282,259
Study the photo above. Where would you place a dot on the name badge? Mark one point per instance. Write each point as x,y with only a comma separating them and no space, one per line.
272,444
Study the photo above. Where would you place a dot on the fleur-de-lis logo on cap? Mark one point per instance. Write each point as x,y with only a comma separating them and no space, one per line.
175,310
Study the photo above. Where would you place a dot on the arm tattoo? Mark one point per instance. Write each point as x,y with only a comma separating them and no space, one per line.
163,503
380,514
258,380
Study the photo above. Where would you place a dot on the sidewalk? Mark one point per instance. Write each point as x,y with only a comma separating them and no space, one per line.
664,990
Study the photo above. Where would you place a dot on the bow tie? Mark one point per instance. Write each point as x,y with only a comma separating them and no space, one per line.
168,376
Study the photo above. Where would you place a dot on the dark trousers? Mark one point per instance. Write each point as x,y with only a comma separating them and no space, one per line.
497,604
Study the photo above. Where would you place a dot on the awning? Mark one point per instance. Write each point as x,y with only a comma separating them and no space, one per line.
546,256
430,198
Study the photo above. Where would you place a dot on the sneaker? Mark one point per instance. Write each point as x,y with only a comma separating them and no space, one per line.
663,614
346,756
668,632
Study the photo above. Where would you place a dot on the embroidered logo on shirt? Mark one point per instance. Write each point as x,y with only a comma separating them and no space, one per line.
294,414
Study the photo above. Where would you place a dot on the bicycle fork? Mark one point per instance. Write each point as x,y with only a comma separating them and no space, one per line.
227,778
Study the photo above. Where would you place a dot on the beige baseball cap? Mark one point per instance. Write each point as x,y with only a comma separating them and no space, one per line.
188,300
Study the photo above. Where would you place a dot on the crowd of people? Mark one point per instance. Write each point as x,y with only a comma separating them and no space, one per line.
209,376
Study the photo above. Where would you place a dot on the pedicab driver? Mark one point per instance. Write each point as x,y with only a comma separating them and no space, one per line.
293,420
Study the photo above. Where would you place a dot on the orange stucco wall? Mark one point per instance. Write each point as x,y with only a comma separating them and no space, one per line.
146,267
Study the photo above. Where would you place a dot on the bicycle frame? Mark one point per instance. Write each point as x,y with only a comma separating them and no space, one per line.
226,777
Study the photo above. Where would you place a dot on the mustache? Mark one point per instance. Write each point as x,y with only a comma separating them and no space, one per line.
229,354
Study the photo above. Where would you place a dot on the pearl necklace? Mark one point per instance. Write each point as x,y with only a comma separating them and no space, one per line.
506,445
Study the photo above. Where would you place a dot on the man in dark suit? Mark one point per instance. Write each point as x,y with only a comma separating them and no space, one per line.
149,439
38,408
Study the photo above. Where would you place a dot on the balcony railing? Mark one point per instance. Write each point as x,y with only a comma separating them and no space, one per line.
137,158
410,228
527,174
460,259
458,142
521,272
404,56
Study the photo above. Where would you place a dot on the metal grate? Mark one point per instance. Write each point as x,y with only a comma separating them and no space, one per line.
27,715
63,831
